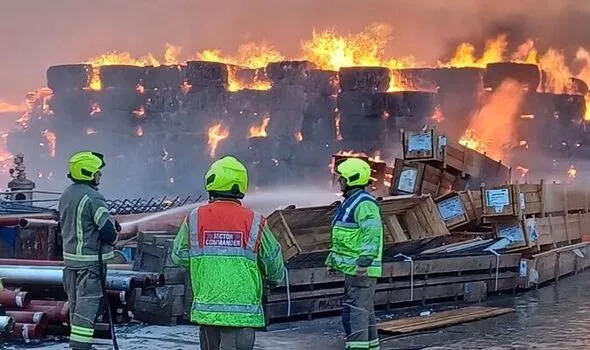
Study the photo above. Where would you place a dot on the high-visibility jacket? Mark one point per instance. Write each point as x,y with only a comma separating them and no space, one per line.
83,212
357,235
228,249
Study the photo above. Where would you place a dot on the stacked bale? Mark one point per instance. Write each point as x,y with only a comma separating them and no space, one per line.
318,124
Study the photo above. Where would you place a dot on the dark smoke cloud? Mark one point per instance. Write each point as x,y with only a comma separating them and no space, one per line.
37,34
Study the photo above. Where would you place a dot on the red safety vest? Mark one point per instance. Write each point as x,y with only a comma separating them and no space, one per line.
227,284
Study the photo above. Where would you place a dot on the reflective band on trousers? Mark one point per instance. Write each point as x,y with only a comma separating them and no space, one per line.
244,309
357,345
86,258
249,252
81,334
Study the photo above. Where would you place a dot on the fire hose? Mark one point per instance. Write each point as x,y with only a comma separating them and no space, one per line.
105,295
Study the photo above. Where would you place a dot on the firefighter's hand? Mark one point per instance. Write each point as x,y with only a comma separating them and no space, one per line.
117,226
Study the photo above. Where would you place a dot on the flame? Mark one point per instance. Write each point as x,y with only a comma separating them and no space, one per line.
437,116
492,129
522,171
337,121
37,105
260,130
139,112
90,131
215,134
298,136
95,109
51,141
6,107
571,172
139,131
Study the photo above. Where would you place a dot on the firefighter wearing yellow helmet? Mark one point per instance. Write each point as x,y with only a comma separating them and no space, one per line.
229,251
87,228
356,250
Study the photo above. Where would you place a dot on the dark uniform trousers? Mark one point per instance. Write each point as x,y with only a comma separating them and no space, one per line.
85,296
358,313
226,338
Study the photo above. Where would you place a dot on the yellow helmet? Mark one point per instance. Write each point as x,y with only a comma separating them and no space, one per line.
355,172
227,176
84,165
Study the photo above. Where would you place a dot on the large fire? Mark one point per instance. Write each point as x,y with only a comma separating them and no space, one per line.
490,129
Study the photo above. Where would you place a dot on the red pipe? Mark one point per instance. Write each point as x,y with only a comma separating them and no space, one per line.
47,302
28,331
58,313
29,317
28,262
12,220
36,223
13,298
117,297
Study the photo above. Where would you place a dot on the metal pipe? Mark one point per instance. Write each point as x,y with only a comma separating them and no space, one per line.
28,331
29,262
120,282
56,314
12,220
14,298
154,278
52,275
32,317
6,324
36,223
118,296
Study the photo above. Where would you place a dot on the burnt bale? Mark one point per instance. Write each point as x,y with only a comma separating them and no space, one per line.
161,101
364,79
162,77
71,102
320,105
288,98
415,104
361,103
284,123
250,77
418,78
121,76
211,99
249,102
322,82
577,87
118,99
526,74
206,74
570,107
318,123
289,72
69,76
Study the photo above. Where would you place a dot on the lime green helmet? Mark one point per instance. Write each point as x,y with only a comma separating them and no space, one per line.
84,165
228,177
355,172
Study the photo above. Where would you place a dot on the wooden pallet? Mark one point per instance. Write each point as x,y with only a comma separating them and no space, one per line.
420,178
459,209
441,319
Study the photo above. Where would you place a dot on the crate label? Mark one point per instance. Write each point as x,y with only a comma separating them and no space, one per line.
523,268
420,142
512,233
532,229
522,205
497,199
407,180
450,208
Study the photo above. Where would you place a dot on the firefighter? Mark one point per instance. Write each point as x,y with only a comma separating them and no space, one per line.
229,251
85,224
355,252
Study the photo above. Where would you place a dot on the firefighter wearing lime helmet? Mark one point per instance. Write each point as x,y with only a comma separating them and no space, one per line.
357,246
87,228
229,251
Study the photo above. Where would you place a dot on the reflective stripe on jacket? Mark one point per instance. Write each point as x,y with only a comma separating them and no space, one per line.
229,249
357,235
83,211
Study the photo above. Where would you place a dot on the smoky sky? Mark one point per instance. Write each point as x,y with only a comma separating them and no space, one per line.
37,34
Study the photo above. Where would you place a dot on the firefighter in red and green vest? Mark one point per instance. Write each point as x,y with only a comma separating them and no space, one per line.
356,250
229,251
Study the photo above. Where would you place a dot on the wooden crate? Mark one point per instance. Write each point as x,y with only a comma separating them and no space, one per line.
308,230
533,199
439,151
154,255
459,209
557,230
161,305
421,178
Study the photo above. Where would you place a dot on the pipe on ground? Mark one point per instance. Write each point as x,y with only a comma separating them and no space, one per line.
12,220
29,317
28,331
14,298
36,223
6,324
58,313
53,263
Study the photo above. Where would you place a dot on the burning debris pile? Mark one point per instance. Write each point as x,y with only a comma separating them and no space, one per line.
286,117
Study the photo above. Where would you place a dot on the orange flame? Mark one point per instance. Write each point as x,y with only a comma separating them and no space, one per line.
215,134
522,171
51,141
95,109
571,172
298,136
6,107
259,130
90,131
139,131
37,103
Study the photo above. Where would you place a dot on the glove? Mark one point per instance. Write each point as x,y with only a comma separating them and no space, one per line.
117,226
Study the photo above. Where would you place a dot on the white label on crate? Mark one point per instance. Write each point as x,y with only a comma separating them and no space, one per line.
450,208
512,233
522,205
523,268
420,142
442,141
407,180
532,229
497,198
